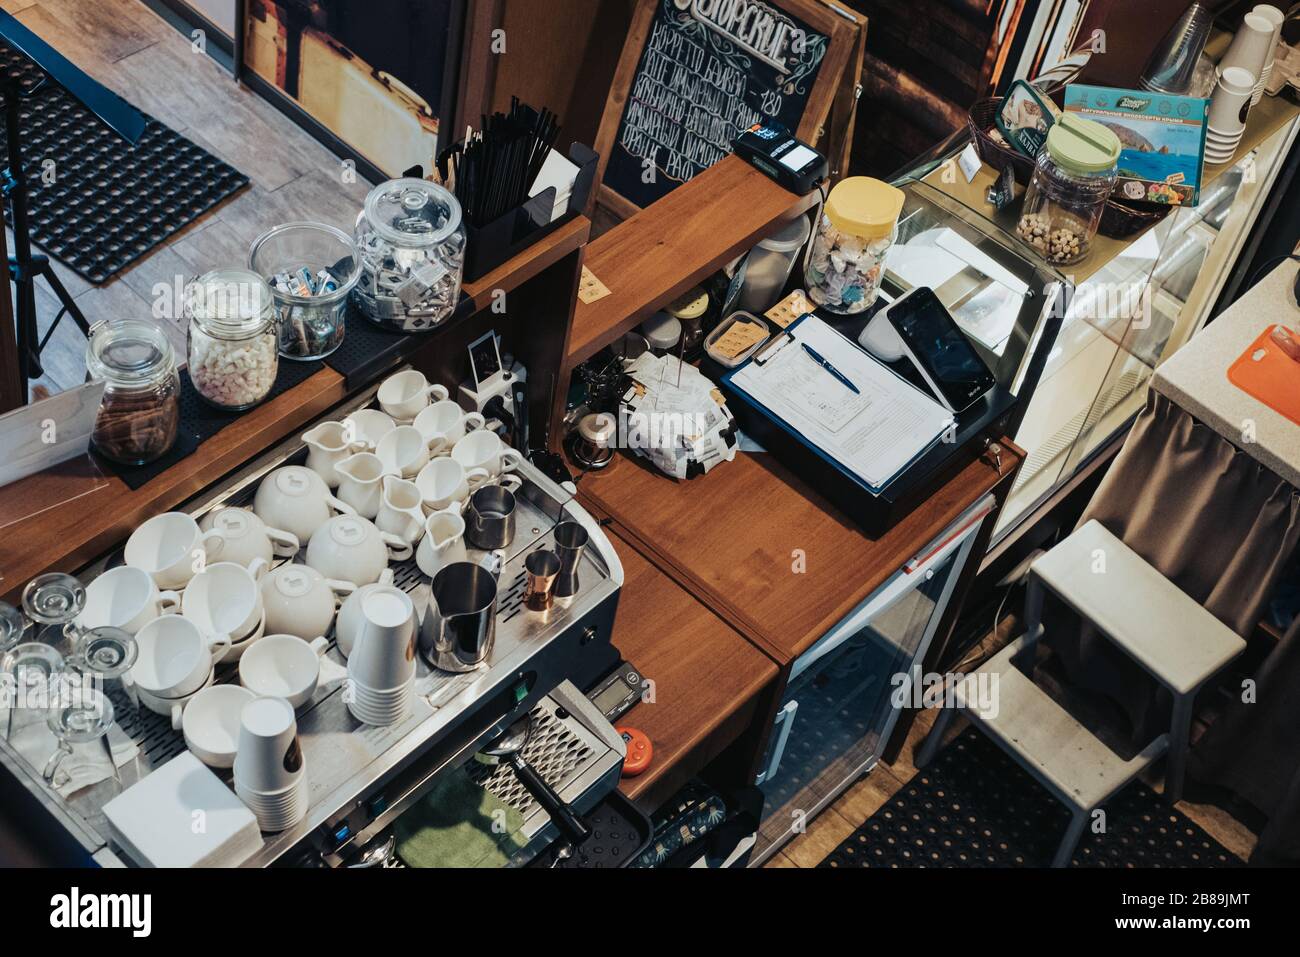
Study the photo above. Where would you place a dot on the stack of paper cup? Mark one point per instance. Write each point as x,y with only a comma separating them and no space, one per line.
1252,49
270,773
1228,109
381,667
1276,17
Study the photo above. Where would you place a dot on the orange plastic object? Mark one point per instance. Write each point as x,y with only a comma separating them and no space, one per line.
1268,372
639,751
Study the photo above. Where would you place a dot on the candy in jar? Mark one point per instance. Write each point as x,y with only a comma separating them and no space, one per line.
857,228
233,344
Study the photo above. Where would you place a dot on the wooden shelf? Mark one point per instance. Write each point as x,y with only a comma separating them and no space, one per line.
652,258
102,512
708,679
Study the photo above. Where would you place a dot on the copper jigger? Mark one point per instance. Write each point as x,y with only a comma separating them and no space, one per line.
539,592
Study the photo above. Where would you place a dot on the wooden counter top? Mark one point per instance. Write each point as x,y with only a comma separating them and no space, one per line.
101,510
764,549
707,678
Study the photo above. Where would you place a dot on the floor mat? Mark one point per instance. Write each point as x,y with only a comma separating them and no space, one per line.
975,807
104,203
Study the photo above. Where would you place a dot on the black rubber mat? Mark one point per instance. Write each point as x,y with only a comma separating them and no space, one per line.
108,203
975,807
369,350
200,421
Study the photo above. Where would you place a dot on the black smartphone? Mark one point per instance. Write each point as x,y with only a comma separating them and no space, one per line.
939,349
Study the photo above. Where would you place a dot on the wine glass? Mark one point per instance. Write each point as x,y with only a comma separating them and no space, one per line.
55,600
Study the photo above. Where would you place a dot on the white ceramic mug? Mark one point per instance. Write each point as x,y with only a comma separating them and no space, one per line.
383,653
404,394
269,757
443,542
350,548
224,599
401,511
328,444
482,449
248,537
445,482
125,597
174,657
283,666
369,426
359,478
210,723
172,548
297,500
172,709
301,601
445,423
403,451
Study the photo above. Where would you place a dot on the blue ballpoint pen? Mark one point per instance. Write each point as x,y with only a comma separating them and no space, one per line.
817,358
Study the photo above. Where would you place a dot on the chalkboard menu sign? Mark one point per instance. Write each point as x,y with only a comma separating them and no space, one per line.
696,72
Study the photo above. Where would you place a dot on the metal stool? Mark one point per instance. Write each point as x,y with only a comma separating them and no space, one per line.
1121,597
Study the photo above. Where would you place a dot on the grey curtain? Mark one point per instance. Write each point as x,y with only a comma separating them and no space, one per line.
1221,527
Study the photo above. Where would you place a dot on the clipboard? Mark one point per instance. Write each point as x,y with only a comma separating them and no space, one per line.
894,424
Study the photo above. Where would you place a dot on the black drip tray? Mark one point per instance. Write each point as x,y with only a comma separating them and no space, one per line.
619,833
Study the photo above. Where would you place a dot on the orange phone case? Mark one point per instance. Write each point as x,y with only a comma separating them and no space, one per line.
1266,372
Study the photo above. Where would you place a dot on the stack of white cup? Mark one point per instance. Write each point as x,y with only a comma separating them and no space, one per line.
1228,109
381,666
270,772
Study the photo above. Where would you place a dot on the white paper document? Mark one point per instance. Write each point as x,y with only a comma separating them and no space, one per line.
874,433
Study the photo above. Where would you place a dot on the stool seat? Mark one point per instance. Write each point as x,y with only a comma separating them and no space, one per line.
1149,617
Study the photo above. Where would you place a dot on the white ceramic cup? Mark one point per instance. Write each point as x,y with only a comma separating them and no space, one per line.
383,654
297,500
174,656
248,537
210,723
443,541
401,509
268,758
224,599
445,482
301,601
125,597
283,666
482,449
404,394
369,426
403,451
445,423
172,548
173,709
350,548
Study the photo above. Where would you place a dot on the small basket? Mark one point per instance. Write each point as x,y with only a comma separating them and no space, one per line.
1119,219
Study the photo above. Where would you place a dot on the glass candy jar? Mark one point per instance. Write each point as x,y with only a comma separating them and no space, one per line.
1074,175
233,344
858,225
140,413
412,247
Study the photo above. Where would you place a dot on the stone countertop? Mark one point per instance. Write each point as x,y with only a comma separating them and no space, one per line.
1196,377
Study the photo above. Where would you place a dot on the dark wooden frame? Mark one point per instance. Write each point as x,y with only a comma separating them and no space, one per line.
834,22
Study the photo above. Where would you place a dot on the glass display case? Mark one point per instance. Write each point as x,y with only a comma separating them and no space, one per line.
1079,346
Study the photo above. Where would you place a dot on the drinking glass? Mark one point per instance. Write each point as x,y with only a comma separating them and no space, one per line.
84,758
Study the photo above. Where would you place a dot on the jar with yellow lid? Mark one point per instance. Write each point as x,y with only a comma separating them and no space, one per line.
858,225
689,310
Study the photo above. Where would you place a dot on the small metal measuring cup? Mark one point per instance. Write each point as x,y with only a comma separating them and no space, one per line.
539,591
